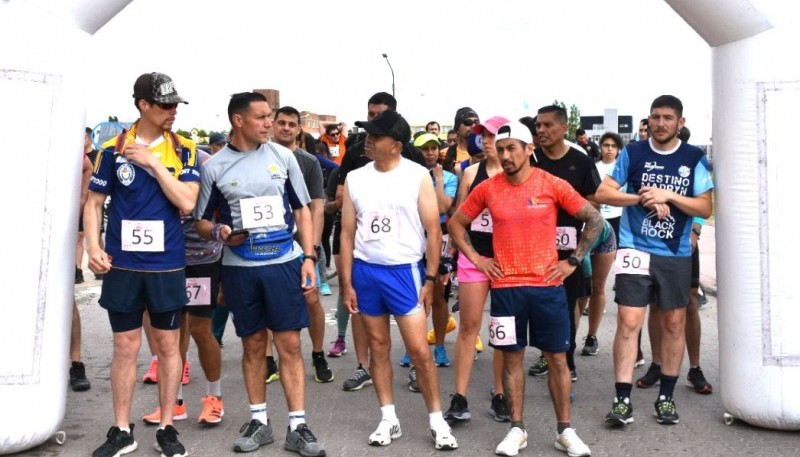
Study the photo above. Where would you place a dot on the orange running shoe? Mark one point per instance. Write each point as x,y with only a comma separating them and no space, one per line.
186,378
151,377
178,414
212,410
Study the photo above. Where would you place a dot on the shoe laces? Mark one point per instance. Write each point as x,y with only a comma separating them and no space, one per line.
412,375
666,406
169,434
305,433
620,407
251,427
540,362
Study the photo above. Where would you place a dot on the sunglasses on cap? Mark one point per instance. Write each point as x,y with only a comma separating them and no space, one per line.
470,122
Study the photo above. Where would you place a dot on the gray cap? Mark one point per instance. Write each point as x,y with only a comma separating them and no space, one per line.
156,87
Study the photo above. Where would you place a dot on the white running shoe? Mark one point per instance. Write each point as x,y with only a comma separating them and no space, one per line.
515,440
569,442
385,433
444,439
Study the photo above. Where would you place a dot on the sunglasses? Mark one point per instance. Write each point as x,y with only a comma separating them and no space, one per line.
470,122
165,106
334,133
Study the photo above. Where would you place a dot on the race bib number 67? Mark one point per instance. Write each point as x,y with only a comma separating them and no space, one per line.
198,291
502,330
632,262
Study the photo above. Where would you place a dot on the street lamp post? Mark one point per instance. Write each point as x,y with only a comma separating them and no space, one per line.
390,69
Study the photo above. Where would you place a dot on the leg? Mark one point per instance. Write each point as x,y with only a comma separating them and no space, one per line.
292,369
601,266
207,347
75,335
471,296
673,324
693,330
629,323
166,345
317,315
360,341
654,330
439,312
559,384
413,330
123,373
254,365
376,329
514,382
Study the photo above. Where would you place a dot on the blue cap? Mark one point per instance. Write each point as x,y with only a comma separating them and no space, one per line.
474,144
217,138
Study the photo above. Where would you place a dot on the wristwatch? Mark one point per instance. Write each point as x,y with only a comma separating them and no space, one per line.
574,261
430,278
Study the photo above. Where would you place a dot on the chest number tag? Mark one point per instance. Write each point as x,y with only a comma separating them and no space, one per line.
632,262
198,291
380,225
482,223
566,238
502,330
446,246
143,236
264,211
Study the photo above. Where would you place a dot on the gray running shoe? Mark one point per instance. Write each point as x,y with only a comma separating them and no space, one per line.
256,434
591,346
358,380
303,442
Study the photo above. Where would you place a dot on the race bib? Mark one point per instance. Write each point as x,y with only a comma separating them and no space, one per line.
446,245
198,290
264,211
566,238
482,223
502,330
143,236
632,262
381,225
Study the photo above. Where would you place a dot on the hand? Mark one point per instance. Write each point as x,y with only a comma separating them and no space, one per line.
490,268
236,240
661,209
558,271
438,173
99,261
139,154
653,195
693,239
350,299
426,296
308,277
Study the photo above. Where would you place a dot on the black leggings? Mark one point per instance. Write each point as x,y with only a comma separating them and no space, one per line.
327,230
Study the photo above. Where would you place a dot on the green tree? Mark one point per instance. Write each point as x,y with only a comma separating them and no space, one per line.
202,133
184,133
573,117
112,119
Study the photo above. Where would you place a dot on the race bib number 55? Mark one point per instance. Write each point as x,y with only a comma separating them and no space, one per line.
632,262
502,330
143,236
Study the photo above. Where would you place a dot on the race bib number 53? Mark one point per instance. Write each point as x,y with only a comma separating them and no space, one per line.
143,236
264,211
632,262
502,330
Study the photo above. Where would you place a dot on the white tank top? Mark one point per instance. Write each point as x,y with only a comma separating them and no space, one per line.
388,226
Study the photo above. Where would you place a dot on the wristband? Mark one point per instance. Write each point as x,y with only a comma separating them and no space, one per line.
430,278
310,257
215,232
696,232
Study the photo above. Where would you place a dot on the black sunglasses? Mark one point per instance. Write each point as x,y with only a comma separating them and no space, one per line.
165,106
470,122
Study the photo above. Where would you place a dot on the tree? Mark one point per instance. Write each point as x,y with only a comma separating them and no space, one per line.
573,117
184,133
202,133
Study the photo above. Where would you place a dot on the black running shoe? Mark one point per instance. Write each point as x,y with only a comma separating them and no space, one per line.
459,411
697,381
621,412
321,371
499,410
651,378
77,377
539,367
590,347
167,443
665,411
413,385
117,443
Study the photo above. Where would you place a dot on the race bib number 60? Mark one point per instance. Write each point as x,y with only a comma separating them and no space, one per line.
502,330
143,236
632,262
264,211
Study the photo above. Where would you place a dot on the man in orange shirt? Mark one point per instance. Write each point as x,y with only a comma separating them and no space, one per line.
335,140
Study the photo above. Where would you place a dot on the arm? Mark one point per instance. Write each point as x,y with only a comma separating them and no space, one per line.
457,228
591,231
86,175
339,200
346,246
609,193
305,233
182,194
464,183
429,215
317,213
99,261
443,201
699,206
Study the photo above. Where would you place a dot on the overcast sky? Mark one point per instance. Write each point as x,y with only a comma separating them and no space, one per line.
499,57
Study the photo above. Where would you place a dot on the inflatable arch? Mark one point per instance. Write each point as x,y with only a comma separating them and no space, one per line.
756,88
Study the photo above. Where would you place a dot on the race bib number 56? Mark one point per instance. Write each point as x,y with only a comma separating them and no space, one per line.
502,330
143,236
632,262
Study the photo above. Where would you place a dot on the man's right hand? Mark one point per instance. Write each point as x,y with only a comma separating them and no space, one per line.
99,261
350,299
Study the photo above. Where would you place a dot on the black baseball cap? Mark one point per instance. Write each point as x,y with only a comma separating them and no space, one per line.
156,87
388,123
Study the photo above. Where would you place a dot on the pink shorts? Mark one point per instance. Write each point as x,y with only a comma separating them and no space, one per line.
467,272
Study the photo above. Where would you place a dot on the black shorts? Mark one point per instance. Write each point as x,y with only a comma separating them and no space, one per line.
202,271
126,291
696,268
337,233
667,285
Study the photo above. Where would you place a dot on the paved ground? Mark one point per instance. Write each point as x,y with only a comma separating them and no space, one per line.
343,420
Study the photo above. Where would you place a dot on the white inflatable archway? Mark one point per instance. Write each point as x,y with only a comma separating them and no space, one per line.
756,89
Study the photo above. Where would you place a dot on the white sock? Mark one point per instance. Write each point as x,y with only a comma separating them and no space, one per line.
215,388
125,429
388,414
180,393
437,421
259,412
296,418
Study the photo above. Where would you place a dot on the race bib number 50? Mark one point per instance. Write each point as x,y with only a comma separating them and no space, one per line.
143,236
502,330
632,262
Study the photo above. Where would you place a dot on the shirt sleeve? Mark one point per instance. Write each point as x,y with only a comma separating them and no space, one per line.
450,184
620,170
703,181
475,202
568,198
295,184
314,181
103,172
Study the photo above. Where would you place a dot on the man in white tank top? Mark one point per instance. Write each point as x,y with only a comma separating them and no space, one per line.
389,206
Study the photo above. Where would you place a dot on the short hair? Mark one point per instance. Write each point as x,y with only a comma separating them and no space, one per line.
645,122
580,132
432,123
240,103
289,111
561,113
614,136
331,127
89,131
382,98
668,101
451,132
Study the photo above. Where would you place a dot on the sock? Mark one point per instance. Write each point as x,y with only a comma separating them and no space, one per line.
519,424
155,357
180,394
561,426
342,317
623,389
296,418
388,414
667,385
215,388
125,429
437,421
259,412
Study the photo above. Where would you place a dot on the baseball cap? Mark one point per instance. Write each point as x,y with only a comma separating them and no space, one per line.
388,123
491,125
515,130
426,138
217,138
157,87
463,114
474,143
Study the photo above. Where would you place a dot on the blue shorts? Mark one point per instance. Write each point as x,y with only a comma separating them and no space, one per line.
383,289
539,313
127,291
265,297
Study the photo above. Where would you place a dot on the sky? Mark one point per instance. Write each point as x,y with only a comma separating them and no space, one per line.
499,57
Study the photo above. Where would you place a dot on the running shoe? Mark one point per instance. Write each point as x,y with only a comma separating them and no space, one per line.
440,357
303,442
573,374
665,411
451,325
697,381
78,276
178,414
651,377
358,380
590,347
459,409
151,377
413,385
385,433
325,289
405,361
167,443
186,378
117,443
539,367
272,371
621,412
499,409
254,435
322,373
515,439
639,359
213,410
478,344
338,347
568,441
444,440
77,377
